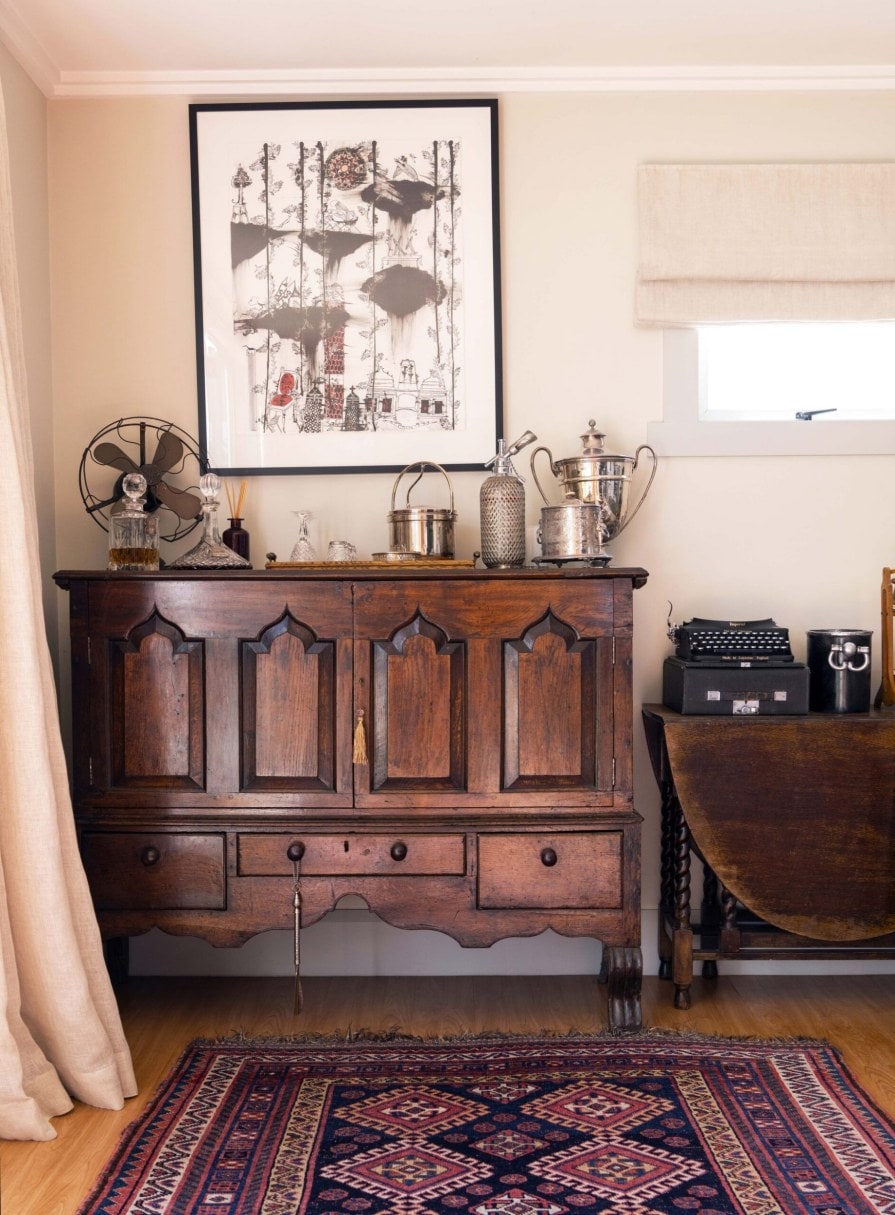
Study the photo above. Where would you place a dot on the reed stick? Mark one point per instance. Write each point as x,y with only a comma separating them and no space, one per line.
237,504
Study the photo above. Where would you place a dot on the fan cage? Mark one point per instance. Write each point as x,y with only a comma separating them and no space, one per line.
139,436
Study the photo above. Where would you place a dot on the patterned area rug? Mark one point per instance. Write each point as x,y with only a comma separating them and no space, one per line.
505,1126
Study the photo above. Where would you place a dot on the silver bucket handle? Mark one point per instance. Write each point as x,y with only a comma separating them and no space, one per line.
422,465
655,460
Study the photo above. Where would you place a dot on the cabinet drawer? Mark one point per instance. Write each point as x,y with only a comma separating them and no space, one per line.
557,871
331,855
131,871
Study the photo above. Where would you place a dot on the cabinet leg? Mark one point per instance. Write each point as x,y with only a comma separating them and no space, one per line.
116,951
624,972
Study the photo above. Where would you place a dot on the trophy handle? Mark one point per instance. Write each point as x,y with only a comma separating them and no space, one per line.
534,474
650,479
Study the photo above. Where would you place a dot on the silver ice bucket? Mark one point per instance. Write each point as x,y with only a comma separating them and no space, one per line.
572,531
428,530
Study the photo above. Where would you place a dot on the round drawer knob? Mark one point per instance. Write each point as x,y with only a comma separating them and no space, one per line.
398,851
295,851
150,855
548,857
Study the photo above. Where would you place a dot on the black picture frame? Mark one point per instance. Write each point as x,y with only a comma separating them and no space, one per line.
347,284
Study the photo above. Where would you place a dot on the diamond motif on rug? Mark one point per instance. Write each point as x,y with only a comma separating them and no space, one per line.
517,1202
613,1169
407,1170
640,1125
598,1105
421,1110
504,1090
509,1145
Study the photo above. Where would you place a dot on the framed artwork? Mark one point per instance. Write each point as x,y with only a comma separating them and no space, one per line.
346,261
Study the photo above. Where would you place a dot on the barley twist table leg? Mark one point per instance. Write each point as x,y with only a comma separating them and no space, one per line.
682,938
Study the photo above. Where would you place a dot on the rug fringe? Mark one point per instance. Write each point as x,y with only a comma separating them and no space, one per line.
397,1035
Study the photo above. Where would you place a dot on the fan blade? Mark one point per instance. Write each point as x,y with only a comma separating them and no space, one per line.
168,453
185,504
111,454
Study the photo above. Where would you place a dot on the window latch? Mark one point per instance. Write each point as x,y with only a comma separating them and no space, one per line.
805,415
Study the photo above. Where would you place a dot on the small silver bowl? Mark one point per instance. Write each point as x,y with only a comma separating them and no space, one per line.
397,555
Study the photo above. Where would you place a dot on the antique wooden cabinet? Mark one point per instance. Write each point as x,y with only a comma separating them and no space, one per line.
454,747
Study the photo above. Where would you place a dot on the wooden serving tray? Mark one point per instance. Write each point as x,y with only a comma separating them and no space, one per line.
420,564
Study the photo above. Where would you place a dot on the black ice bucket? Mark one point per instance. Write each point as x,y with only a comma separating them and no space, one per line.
839,670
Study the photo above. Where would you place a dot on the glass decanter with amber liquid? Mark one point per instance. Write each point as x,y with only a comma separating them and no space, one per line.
133,532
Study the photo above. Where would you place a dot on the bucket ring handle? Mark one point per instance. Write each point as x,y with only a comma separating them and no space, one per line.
422,465
844,657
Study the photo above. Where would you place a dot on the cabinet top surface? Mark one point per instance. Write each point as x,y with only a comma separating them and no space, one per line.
389,573
695,723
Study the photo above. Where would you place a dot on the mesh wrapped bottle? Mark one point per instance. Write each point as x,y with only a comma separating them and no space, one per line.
502,507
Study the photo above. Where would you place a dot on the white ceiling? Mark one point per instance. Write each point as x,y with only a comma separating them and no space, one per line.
78,47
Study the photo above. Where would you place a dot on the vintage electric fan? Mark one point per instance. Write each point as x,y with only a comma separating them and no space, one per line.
167,457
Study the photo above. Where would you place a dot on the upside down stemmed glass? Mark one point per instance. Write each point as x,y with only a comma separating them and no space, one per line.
303,550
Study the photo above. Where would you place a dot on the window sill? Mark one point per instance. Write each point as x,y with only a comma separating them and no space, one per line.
681,433
686,438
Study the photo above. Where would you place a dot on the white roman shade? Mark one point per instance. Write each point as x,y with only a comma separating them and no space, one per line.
765,242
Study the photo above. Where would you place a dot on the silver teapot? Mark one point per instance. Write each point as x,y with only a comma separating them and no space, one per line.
599,479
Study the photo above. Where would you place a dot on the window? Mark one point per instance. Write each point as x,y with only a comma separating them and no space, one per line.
837,372
736,390
808,245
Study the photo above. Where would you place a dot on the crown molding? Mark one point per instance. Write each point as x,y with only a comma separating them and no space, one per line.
464,80
28,51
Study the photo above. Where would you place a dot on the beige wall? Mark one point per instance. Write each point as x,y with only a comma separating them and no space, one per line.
26,120
801,539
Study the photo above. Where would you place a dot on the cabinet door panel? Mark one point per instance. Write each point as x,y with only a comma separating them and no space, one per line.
205,688
288,709
417,734
556,693
472,692
157,709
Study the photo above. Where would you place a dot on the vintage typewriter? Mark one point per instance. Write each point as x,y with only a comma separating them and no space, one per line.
741,667
732,642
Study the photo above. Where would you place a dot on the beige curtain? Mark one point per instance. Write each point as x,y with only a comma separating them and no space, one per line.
765,242
60,1034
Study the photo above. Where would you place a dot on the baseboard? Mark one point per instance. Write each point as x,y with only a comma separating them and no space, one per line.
354,942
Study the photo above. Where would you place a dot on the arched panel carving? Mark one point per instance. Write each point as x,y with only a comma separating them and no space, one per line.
418,732
549,680
156,707
288,709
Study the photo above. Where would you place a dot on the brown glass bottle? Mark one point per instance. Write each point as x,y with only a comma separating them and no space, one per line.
236,537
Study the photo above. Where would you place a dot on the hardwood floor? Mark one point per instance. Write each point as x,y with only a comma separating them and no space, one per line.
855,1013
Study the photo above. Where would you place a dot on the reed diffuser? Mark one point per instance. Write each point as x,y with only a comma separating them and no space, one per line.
235,536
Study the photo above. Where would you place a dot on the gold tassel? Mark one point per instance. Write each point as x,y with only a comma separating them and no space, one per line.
360,740
297,999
